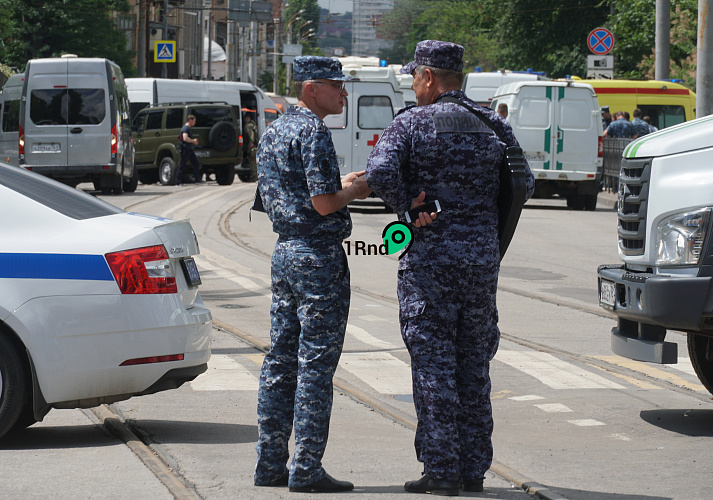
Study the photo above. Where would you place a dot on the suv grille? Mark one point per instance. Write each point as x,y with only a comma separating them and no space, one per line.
633,197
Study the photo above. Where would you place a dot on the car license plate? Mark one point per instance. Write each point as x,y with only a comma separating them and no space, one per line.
534,155
202,154
46,148
607,293
191,271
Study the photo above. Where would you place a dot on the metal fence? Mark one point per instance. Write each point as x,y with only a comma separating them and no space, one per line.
613,149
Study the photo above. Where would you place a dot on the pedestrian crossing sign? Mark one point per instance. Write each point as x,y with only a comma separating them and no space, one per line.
164,51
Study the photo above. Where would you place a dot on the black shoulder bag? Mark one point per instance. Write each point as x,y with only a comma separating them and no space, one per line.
513,188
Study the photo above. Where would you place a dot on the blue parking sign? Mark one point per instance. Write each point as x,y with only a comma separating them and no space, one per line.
164,51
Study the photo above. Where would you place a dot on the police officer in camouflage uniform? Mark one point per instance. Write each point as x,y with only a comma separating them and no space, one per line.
447,281
298,181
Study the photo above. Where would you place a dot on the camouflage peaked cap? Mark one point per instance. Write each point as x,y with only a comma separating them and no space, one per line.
444,55
317,68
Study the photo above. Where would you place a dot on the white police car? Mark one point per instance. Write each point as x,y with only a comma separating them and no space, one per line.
96,304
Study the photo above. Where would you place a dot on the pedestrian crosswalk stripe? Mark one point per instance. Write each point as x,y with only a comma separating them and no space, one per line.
528,397
554,372
554,408
586,422
365,337
224,374
383,372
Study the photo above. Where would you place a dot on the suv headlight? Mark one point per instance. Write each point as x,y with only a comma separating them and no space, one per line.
680,237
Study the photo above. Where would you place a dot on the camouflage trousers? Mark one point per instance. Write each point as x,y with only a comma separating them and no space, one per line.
310,306
449,319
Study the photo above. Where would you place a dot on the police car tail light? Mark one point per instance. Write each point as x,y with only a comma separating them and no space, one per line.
113,140
142,270
600,149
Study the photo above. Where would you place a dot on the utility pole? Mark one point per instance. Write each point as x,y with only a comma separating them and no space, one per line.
704,71
662,69
164,68
141,41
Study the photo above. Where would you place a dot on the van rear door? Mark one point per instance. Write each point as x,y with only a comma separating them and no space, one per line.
45,116
578,125
90,91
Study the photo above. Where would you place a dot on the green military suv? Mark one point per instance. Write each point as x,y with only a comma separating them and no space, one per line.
156,131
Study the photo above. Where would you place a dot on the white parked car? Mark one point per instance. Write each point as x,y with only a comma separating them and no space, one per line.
96,304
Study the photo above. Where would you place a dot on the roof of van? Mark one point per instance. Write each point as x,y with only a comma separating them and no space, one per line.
514,88
631,85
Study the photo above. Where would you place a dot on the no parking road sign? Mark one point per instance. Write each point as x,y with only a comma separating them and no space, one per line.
164,51
600,41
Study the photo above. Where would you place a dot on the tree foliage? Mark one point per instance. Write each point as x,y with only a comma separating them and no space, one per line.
545,36
49,28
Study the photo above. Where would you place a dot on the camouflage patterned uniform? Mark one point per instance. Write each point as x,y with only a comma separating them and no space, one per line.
447,282
310,297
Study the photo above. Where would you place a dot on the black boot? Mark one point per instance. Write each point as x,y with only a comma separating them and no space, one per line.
441,487
472,485
325,485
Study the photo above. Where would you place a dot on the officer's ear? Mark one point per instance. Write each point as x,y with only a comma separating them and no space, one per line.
428,77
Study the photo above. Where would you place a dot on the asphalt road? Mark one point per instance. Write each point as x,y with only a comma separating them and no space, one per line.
571,420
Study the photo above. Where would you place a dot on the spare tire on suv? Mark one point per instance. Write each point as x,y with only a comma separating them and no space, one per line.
156,132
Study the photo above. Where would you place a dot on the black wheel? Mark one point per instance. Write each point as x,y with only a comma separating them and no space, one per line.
245,176
226,175
167,171
575,201
700,350
14,384
590,202
131,184
222,136
148,176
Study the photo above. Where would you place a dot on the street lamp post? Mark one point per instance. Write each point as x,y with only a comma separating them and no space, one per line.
294,18
275,38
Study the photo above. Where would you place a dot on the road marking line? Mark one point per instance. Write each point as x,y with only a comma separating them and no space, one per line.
224,374
363,336
244,282
641,384
587,422
529,397
554,408
651,371
621,437
371,317
383,372
554,372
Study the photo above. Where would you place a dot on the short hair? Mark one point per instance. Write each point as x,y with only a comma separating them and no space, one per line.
502,107
626,115
299,87
637,113
190,117
447,77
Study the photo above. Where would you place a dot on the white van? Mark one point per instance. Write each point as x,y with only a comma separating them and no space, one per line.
481,87
559,127
369,110
75,125
384,74
244,97
10,119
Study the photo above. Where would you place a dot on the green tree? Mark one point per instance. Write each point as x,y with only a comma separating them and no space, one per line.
547,36
50,28
634,26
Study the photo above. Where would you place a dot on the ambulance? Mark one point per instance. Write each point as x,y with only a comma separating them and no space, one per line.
370,108
667,103
559,127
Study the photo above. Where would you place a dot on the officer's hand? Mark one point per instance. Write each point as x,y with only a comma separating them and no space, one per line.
351,177
424,218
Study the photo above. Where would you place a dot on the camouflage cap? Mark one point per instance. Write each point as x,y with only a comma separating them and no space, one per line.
444,55
317,68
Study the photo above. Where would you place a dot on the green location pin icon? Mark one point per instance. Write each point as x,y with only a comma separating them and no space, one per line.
397,236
